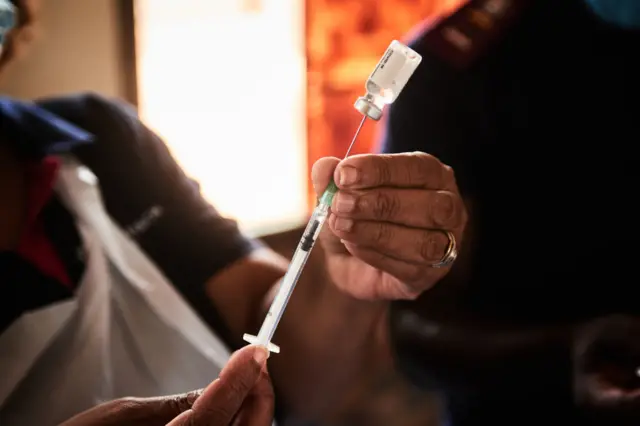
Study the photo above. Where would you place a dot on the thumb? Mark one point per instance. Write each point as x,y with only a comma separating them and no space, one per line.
221,400
322,174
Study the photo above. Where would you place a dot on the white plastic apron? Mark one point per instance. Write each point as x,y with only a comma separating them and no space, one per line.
126,333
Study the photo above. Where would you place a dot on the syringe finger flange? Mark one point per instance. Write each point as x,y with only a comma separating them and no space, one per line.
253,340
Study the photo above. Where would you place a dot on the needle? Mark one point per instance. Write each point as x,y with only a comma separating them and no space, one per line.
353,141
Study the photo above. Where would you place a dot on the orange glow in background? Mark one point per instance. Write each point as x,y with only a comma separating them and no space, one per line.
345,39
248,94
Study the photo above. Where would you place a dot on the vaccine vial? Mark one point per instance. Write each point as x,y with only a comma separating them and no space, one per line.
388,79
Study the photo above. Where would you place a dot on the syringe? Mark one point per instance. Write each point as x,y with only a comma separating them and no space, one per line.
383,87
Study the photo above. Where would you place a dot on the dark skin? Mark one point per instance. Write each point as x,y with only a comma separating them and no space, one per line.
241,396
385,254
359,357
315,379
362,347
384,234
363,386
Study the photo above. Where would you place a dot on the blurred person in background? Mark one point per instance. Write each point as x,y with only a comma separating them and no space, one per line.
536,106
119,280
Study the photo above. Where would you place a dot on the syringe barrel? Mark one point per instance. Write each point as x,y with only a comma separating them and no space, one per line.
300,257
383,87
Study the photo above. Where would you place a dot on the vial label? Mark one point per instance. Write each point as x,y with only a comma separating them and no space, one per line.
392,73
390,65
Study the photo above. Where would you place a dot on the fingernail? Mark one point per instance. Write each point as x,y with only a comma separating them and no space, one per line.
192,397
443,209
348,175
260,355
345,203
343,224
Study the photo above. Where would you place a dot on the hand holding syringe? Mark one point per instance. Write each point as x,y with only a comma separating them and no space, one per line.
383,87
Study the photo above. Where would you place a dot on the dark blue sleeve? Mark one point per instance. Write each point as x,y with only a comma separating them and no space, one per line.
149,195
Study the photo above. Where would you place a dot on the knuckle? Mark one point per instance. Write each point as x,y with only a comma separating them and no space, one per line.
415,275
430,169
408,293
423,157
382,169
385,206
422,170
240,387
219,414
180,403
124,406
127,408
432,246
382,234
411,294
448,175
422,278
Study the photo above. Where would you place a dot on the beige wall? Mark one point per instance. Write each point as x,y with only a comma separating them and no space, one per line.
78,48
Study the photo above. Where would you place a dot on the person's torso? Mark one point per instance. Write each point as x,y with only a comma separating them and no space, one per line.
555,173
550,164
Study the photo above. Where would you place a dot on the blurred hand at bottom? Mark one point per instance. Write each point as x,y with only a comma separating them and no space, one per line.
608,370
241,396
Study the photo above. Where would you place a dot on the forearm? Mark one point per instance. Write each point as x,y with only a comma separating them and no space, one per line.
328,340
336,366
344,371
336,363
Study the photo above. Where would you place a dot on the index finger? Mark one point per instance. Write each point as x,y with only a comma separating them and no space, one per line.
406,170
222,399
257,409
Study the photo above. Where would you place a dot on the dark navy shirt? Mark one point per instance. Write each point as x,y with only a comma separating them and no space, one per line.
541,131
143,189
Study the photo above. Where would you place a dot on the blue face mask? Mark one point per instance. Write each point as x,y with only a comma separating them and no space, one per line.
622,13
7,19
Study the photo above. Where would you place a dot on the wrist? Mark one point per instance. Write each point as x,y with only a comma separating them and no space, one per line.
330,342
354,323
